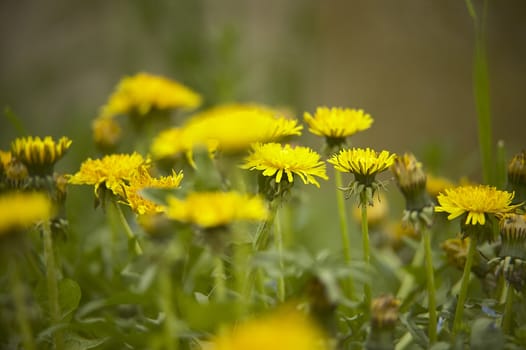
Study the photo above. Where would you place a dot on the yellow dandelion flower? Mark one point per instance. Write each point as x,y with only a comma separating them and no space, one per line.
113,172
362,162
142,93
39,155
275,160
143,180
213,209
19,210
235,127
337,123
282,330
477,201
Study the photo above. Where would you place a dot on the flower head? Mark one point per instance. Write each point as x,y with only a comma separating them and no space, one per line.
143,180
39,155
143,93
235,127
364,164
215,209
337,123
384,312
21,210
476,202
112,172
276,161
283,330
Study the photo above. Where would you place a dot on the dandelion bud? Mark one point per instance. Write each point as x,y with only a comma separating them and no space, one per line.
511,261
384,315
411,180
517,177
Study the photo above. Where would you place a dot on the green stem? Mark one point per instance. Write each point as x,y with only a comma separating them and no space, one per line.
508,311
481,92
262,236
279,247
342,213
430,286
17,291
457,323
219,279
52,285
408,282
128,230
170,324
366,247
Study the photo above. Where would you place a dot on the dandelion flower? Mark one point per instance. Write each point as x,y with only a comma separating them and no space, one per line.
143,180
364,164
235,127
337,123
276,161
215,209
143,93
474,201
283,330
112,172
39,155
20,210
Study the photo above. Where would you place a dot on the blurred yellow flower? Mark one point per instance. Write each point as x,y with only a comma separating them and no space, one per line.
276,160
234,127
20,210
362,162
143,93
39,154
436,184
282,330
476,201
337,122
213,209
113,172
106,132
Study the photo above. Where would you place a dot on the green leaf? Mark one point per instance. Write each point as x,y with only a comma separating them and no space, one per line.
76,342
69,295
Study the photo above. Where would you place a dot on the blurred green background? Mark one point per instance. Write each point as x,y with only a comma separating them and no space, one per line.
408,63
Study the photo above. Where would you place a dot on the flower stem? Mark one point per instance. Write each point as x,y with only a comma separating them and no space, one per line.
508,311
481,91
17,291
430,286
279,245
457,323
366,247
342,213
128,230
52,285
170,326
219,279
